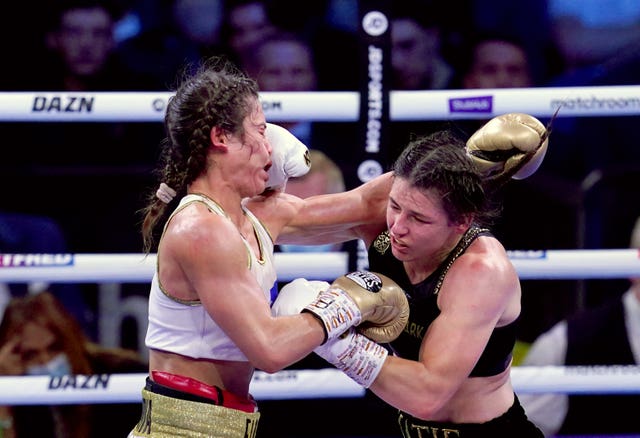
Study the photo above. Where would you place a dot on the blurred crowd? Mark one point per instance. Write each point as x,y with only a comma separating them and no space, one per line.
87,178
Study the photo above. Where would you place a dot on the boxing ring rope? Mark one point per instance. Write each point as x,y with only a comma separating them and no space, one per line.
316,106
339,106
138,268
304,384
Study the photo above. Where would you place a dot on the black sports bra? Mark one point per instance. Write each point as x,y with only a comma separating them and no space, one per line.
423,305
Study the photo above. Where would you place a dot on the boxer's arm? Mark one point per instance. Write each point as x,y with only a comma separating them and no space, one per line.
359,213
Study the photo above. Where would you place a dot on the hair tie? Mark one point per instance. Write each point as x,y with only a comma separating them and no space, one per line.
165,193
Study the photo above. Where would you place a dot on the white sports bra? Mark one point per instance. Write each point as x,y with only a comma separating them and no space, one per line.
185,327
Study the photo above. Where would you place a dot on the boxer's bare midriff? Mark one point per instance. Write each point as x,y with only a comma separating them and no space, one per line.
233,376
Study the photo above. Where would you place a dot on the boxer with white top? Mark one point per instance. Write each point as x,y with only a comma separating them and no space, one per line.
213,222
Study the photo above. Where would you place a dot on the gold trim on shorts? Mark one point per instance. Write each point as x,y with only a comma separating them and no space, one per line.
168,417
409,429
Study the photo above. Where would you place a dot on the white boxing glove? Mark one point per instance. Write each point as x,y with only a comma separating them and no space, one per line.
509,146
289,156
355,355
296,295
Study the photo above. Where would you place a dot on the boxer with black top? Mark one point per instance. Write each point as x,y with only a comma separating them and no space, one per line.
424,225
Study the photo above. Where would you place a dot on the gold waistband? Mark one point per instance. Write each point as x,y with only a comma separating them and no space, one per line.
165,417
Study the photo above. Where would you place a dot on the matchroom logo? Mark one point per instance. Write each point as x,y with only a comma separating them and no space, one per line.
477,104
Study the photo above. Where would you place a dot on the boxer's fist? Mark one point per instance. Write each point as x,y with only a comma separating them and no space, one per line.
296,295
289,156
367,297
509,146
354,354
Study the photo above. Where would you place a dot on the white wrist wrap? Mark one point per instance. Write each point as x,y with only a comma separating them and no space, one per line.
337,311
357,356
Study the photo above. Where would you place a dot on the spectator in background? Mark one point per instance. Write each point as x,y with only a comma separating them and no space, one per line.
497,62
184,32
100,156
81,57
605,335
333,44
80,43
417,63
581,139
526,22
199,21
39,337
323,177
491,61
284,61
22,233
600,45
589,32
416,56
246,22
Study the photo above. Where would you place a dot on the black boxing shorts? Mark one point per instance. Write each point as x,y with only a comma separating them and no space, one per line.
513,423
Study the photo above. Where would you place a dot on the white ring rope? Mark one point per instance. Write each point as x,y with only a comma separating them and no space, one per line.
126,388
576,263
136,268
333,105
303,384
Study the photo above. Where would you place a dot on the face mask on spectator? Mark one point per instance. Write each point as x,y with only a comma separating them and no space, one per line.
58,366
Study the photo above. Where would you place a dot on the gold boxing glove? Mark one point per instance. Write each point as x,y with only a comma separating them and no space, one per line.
371,301
511,145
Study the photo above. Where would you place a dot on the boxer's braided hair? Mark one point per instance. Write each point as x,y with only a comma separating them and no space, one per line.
216,94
